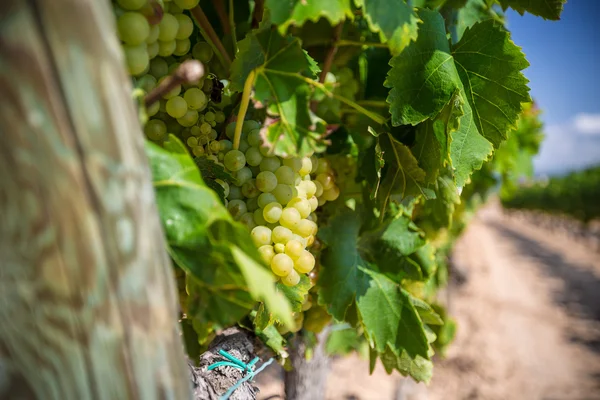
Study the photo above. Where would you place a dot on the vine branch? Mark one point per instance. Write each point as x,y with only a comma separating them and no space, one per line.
209,34
233,30
257,14
222,14
337,32
189,71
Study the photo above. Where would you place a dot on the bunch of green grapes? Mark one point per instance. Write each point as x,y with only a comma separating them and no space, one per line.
324,178
275,198
143,41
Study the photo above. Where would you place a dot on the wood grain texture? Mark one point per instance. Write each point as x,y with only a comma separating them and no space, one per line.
87,300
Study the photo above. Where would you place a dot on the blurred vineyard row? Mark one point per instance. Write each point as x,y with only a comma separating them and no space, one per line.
576,194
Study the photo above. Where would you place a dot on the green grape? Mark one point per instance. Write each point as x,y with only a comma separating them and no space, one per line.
235,193
265,150
258,217
186,27
213,123
195,98
153,109
267,253
133,28
323,166
261,235
172,125
315,163
202,139
248,220
294,163
235,160
319,187
205,129
270,164
168,27
302,205
155,129
281,234
253,156
292,279
207,85
331,194
306,166
189,119
214,146
182,47
299,238
283,193
254,138
290,217
249,189
195,131
242,176
213,134
310,188
224,185
294,248
285,175
266,198
165,49
192,142
152,49
314,203
266,181
252,204
305,262
202,52
176,107
209,116
146,82
136,58
278,247
299,192
153,35
173,65
326,180
248,126
272,212
131,4
225,145
220,117
310,240
304,228
237,208
173,92
158,68
282,264
198,151
255,170
244,145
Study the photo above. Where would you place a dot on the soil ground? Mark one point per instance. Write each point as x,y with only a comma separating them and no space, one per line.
528,324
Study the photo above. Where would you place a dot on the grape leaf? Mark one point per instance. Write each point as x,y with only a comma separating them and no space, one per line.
343,341
399,326
484,66
297,12
547,9
438,212
296,294
429,148
272,338
403,175
420,368
426,312
472,12
340,278
283,72
395,21
204,241
211,171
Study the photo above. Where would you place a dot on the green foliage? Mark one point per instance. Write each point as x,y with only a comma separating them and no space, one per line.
575,194
422,108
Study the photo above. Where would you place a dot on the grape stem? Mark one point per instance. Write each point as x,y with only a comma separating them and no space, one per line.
189,71
233,31
355,43
248,85
328,62
218,5
257,14
209,34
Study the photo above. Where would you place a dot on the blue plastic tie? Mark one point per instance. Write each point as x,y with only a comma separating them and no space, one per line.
242,366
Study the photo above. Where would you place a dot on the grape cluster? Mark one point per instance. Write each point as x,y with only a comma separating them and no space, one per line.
143,41
276,198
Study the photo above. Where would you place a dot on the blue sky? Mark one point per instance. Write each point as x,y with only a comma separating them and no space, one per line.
565,82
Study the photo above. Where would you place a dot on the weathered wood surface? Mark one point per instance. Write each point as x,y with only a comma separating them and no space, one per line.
87,300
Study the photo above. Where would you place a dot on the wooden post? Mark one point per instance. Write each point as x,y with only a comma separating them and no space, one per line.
87,300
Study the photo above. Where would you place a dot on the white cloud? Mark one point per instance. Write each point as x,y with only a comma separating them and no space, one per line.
587,124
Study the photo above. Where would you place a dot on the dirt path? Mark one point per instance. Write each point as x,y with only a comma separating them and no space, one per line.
528,317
